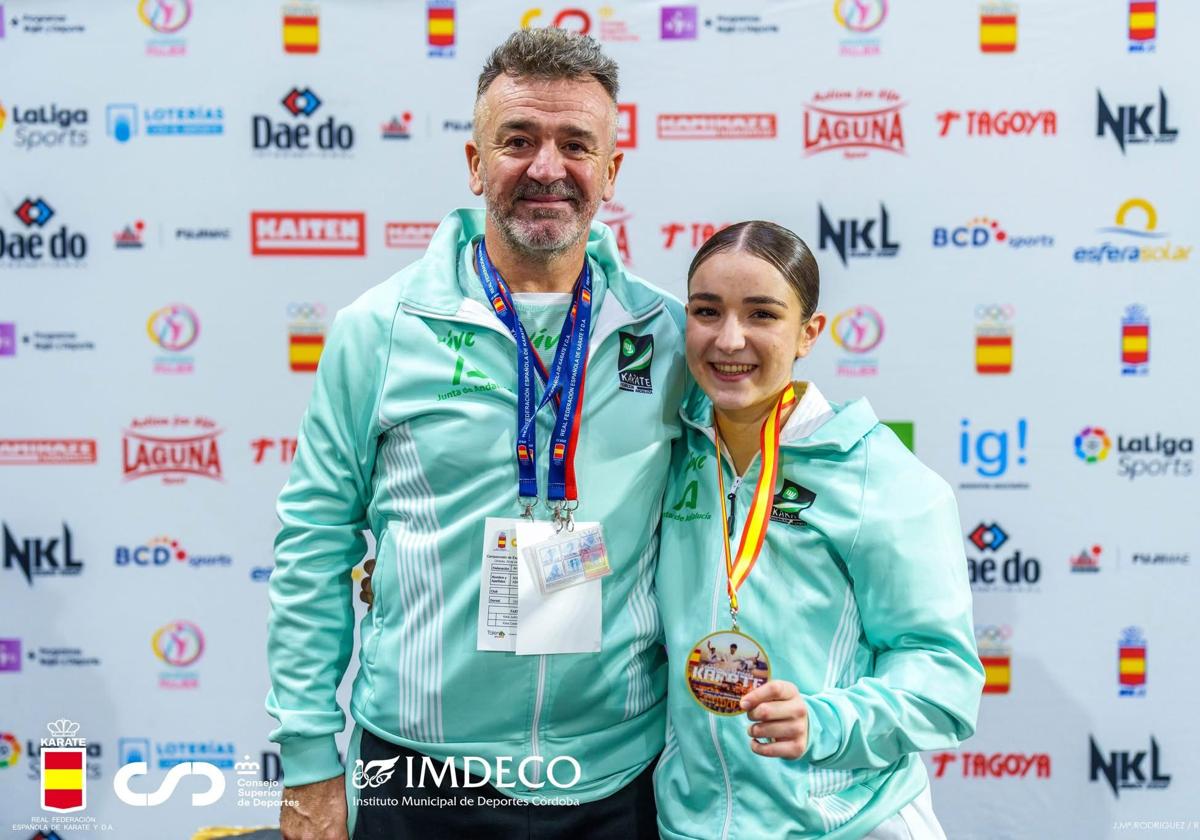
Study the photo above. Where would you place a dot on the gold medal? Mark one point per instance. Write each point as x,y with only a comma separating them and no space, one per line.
723,667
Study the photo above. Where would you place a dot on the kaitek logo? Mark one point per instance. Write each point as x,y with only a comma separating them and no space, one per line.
409,234
854,122
716,126
1131,123
47,451
174,448
626,126
994,765
1001,123
282,233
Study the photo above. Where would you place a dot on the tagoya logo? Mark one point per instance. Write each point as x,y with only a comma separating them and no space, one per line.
174,448
318,234
1000,123
854,122
993,765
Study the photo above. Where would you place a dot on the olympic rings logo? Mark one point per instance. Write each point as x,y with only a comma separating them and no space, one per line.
306,311
993,635
994,312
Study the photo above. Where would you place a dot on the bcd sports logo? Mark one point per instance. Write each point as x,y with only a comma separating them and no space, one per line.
282,233
1141,212
31,246
174,448
161,550
1139,456
299,138
854,122
982,231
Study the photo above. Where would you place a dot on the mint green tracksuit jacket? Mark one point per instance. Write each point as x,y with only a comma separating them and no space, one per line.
860,599
411,433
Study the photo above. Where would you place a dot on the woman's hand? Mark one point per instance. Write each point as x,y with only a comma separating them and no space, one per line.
781,715
364,588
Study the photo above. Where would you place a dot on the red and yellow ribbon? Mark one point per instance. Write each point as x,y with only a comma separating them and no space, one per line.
754,532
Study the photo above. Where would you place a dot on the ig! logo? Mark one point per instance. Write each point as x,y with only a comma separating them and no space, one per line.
176,774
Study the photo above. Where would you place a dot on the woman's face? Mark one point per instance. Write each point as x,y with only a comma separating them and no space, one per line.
744,331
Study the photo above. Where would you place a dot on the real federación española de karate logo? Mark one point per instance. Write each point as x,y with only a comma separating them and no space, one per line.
790,501
633,363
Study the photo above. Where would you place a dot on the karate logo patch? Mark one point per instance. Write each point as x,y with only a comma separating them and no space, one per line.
633,363
790,501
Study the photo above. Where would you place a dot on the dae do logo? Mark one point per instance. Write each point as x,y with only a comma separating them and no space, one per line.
303,133
32,242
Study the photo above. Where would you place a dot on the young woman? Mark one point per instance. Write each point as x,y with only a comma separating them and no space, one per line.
811,581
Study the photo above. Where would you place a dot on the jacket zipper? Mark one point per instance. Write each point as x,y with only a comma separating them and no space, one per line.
537,717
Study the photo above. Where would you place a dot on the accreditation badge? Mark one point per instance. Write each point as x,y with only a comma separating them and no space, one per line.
723,667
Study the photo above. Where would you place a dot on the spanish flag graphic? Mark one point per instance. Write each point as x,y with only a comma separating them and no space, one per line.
559,450
993,353
1132,666
304,351
1135,344
997,673
301,31
1143,21
441,26
998,29
63,779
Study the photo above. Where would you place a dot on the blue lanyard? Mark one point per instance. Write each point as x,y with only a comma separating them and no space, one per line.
563,382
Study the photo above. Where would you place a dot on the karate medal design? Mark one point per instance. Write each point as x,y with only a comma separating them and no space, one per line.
724,667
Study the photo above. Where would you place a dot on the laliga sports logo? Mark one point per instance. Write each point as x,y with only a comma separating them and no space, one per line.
860,15
858,329
1092,444
165,16
179,643
164,791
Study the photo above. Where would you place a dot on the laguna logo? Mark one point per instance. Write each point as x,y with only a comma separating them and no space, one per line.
303,136
854,122
307,234
790,502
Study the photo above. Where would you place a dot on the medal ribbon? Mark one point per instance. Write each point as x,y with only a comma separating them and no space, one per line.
754,532
563,382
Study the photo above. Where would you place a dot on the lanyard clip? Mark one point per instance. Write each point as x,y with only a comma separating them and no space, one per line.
733,612
527,503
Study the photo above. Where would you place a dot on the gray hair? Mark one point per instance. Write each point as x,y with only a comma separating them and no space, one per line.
549,53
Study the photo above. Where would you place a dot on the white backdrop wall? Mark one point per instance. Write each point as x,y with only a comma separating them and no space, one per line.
158,306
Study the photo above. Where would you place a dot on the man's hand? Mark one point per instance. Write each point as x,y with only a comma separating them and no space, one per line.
364,593
319,812
782,716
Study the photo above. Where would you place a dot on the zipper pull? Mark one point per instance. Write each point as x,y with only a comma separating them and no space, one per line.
732,513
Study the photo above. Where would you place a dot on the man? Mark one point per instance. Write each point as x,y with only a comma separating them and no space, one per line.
413,432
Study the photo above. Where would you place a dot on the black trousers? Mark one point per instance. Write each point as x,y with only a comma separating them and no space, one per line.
629,814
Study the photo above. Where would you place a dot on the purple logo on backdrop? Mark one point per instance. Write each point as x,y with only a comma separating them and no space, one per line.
10,655
8,339
678,23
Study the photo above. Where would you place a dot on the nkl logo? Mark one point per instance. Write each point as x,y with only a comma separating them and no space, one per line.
330,136
855,238
1131,123
31,247
1124,770
38,557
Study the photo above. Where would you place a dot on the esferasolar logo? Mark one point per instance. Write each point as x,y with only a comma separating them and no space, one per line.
633,363
282,233
1137,239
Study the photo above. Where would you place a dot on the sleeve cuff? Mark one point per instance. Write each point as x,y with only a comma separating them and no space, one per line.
307,760
824,731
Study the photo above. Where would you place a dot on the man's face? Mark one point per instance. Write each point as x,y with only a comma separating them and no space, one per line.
543,159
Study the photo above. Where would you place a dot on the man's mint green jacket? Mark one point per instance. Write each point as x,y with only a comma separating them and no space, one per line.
860,599
411,433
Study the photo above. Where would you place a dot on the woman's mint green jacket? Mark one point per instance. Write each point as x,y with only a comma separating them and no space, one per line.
410,433
860,598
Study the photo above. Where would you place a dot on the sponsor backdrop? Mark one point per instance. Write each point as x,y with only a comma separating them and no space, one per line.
1001,197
